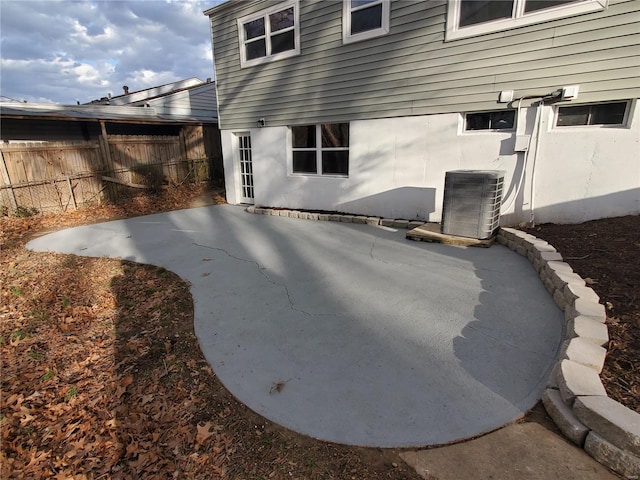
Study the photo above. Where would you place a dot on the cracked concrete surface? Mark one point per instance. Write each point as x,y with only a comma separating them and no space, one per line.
371,339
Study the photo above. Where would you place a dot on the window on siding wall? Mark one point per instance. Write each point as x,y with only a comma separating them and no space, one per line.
476,17
269,35
498,120
363,19
320,149
613,114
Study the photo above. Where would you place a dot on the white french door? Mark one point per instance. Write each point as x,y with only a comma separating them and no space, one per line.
246,168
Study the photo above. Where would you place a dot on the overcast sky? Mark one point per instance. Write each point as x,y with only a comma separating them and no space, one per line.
66,51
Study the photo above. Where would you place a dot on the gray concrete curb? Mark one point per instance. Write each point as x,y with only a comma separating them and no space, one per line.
575,397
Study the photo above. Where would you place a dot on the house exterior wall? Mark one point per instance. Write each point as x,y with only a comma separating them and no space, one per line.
397,168
405,94
414,71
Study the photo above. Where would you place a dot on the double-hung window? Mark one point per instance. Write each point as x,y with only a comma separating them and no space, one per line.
476,17
269,35
320,149
363,19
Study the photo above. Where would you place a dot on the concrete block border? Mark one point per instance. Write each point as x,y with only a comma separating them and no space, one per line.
336,217
575,398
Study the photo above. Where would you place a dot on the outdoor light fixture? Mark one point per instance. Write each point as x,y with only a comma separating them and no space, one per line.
261,122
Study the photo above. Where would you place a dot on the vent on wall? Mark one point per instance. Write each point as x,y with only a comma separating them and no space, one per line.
471,205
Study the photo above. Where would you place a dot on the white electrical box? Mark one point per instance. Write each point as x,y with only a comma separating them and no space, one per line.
505,96
570,93
522,143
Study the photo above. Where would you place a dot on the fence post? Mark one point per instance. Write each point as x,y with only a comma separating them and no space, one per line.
184,159
7,181
106,156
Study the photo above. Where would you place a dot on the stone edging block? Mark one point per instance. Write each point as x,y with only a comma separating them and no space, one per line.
575,398
564,417
615,458
613,421
583,351
335,217
589,329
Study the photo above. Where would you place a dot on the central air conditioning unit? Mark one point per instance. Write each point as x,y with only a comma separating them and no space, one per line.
471,205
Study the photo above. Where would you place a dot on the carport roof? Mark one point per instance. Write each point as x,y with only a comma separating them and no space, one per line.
112,113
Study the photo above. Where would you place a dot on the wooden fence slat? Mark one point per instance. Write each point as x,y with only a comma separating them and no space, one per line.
58,175
6,180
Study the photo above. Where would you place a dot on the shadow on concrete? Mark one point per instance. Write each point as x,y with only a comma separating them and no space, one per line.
376,340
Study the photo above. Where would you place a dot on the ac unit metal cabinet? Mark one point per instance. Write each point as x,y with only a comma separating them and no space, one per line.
471,205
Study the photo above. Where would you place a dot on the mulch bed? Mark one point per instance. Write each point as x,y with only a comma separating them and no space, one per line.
606,253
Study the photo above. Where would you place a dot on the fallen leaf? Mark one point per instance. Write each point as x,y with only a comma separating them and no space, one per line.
126,381
203,433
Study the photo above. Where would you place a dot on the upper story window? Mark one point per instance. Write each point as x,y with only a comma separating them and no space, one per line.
363,19
320,149
466,18
496,120
269,35
612,114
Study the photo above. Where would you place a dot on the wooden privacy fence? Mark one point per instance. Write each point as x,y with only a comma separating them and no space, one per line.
56,176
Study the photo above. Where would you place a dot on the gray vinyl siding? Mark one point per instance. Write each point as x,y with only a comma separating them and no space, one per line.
413,71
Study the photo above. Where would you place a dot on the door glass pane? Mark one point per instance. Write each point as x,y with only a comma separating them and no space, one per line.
256,49
283,42
281,20
473,12
533,5
366,19
304,136
254,29
335,163
608,114
335,135
304,162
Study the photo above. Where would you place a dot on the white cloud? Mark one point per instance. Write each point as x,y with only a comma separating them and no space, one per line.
67,50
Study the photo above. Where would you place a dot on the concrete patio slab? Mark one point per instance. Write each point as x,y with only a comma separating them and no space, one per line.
348,332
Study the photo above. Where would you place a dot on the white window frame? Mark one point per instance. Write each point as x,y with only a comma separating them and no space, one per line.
265,14
625,121
318,149
347,37
519,17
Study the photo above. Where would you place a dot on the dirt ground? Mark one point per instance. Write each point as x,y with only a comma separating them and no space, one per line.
102,376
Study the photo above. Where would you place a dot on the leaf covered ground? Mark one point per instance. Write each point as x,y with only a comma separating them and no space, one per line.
102,377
